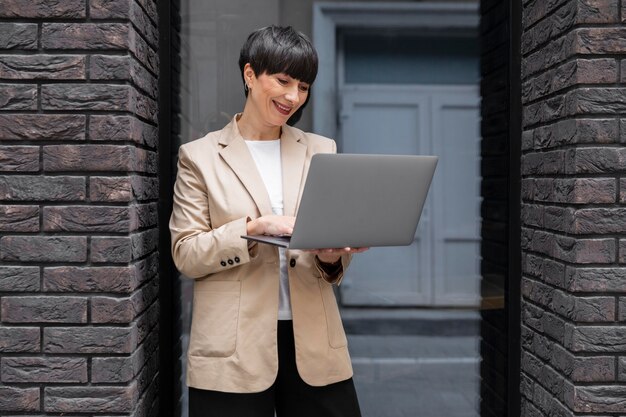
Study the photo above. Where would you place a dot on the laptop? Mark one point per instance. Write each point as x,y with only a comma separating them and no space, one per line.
354,200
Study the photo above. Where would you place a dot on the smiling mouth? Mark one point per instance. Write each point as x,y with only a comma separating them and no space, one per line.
281,108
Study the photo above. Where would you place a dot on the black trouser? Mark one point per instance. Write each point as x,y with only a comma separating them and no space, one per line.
290,396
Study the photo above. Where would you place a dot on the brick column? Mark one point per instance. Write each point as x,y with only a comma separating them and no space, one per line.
78,207
573,215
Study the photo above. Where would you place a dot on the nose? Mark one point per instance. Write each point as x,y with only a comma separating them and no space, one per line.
292,94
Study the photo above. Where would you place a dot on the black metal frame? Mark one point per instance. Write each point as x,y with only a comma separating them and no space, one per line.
513,294
167,320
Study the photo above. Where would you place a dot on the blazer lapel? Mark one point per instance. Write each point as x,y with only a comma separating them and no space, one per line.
236,154
293,158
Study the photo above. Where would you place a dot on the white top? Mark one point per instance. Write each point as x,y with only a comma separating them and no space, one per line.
266,155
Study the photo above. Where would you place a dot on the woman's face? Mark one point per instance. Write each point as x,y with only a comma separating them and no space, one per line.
276,97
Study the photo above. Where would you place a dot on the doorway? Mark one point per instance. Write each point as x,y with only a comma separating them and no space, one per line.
415,91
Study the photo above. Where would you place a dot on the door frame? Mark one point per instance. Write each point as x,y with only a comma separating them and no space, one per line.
328,18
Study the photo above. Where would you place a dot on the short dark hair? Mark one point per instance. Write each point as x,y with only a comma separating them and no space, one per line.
276,49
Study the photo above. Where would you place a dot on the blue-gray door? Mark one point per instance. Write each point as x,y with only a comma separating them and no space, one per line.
441,266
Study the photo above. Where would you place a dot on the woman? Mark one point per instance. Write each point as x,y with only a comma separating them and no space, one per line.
266,333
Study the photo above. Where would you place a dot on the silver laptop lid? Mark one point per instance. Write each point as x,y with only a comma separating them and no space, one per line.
362,200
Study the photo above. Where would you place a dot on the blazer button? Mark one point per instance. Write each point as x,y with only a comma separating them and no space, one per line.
230,262
292,263
223,263
237,259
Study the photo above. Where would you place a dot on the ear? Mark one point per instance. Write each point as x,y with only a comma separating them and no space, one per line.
248,75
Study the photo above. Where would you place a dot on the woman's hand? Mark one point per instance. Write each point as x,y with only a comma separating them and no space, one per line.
330,256
271,225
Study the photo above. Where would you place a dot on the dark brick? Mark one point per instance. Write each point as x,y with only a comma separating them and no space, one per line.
48,9
43,248
537,10
598,399
113,189
18,97
37,188
88,158
19,278
46,67
559,218
101,36
147,188
18,35
89,339
595,160
109,9
114,370
145,161
44,370
622,309
19,339
592,369
598,339
622,251
576,190
19,158
111,279
581,41
91,399
144,106
150,7
143,79
109,67
42,127
85,97
111,249
123,128
87,219
19,219
144,243
147,268
585,250
19,399
44,309
577,131
144,215
543,163
599,220
143,52
553,273
563,19
580,71
584,309
532,215
599,40
599,280
144,25
112,310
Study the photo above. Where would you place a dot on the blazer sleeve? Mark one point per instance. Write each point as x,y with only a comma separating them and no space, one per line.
197,248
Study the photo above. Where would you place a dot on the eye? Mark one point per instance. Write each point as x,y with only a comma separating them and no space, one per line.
304,88
282,81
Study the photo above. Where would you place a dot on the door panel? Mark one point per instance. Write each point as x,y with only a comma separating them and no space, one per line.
387,122
457,195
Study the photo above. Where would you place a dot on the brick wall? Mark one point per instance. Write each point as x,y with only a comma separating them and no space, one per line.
494,37
78,193
573,214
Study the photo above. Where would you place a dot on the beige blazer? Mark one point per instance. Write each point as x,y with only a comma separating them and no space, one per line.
235,302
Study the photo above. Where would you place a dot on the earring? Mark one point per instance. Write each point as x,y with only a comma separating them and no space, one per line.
246,88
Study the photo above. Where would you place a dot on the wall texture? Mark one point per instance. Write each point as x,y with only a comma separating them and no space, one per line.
573,213
78,192
494,38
